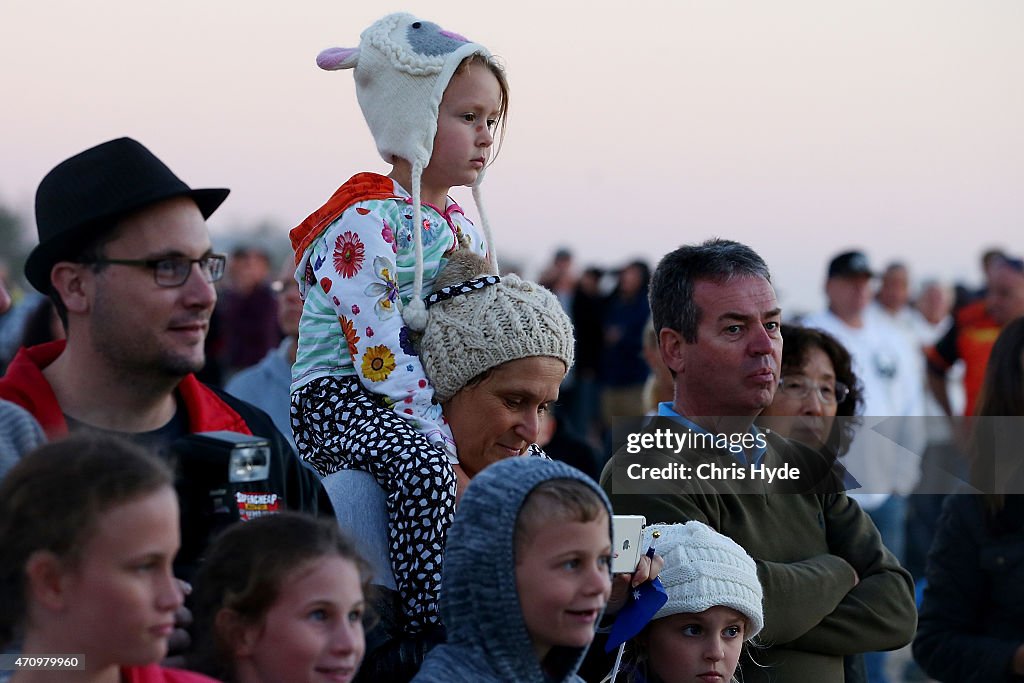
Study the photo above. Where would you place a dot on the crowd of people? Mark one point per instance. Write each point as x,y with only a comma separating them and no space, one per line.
353,472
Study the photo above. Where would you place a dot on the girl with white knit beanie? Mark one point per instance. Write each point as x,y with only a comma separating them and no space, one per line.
360,397
713,608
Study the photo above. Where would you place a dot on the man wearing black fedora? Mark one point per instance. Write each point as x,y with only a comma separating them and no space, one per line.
125,255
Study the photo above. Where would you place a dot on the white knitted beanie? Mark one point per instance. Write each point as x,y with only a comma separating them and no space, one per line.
402,67
480,321
704,569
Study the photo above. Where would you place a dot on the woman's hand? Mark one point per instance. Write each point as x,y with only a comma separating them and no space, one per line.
646,569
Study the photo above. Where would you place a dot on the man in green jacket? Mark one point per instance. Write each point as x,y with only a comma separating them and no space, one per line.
831,589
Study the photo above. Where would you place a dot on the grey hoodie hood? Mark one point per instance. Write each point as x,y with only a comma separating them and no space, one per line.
487,637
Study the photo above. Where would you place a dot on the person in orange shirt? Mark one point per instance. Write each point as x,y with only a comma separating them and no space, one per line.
974,331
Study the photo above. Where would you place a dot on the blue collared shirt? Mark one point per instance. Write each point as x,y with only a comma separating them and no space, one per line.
666,409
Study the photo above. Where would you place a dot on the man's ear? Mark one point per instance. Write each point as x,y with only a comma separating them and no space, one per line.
672,347
72,282
44,580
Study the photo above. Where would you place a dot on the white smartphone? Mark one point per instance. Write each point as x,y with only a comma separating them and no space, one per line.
627,542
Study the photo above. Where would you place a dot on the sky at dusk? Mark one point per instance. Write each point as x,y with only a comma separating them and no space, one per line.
800,127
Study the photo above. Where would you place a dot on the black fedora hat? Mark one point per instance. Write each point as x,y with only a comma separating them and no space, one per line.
85,195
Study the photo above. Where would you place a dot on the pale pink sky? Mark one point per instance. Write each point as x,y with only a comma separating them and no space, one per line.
798,126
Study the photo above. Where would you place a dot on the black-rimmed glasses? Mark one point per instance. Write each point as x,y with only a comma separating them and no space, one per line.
173,271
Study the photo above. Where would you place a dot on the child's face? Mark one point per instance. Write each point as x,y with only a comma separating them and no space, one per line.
696,648
563,580
314,630
121,597
465,124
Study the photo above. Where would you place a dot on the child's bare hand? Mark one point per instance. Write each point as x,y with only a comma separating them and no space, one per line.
646,569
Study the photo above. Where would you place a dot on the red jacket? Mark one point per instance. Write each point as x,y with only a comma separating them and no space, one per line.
289,484
26,385
157,674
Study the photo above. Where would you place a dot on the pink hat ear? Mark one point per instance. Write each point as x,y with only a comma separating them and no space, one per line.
334,58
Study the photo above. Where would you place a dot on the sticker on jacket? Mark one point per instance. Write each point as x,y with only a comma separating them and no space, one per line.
253,505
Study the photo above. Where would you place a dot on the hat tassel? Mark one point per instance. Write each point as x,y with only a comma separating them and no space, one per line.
415,312
492,249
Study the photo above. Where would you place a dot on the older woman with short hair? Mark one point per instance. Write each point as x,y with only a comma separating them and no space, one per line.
817,385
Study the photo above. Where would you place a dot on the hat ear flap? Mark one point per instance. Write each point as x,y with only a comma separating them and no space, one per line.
334,58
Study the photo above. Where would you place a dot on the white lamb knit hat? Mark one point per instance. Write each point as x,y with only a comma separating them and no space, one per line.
704,569
477,321
402,67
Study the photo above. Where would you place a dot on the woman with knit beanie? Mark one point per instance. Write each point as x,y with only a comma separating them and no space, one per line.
496,350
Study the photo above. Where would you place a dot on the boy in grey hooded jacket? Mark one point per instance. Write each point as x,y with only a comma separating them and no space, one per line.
489,636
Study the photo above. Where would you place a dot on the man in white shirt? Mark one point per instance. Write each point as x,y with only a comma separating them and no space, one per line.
886,362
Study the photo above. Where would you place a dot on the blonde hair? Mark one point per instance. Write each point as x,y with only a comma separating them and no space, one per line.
499,73
564,499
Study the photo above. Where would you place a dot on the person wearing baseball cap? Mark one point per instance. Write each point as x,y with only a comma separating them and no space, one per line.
876,346
850,264
888,363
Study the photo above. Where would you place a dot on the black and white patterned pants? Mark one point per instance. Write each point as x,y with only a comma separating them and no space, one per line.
339,425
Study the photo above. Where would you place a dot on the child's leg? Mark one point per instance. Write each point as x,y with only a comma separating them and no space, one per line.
339,425
315,418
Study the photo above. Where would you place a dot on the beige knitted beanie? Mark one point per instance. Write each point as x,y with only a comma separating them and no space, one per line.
477,321
704,569
402,67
